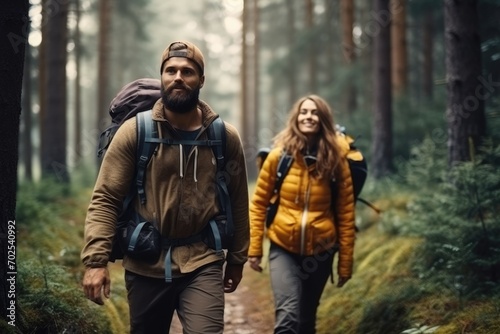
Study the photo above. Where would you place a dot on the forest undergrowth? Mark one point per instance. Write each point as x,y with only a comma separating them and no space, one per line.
430,263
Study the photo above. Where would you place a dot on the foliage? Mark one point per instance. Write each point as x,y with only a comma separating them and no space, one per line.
83,175
456,212
36,202
458,217
493,118
425,123
389,311
51,301
5,328
425,167
381,296
384,294
49,219
424,266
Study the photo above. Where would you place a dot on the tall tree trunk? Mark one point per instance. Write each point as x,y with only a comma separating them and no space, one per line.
54,141
428,50
348,48
399,50
42,76
104,74
244,68
331,13
466,88
14,30
382,113
249,109
347,19
292,78
78,92
365,53
312,60
204,19
256,74
27,117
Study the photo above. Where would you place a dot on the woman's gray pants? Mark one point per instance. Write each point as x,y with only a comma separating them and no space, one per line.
297,283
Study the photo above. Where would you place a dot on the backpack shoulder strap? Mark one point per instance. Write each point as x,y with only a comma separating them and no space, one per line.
217,140
217,135
284,165
146,131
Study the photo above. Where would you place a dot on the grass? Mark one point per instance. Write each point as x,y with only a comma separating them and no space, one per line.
384,296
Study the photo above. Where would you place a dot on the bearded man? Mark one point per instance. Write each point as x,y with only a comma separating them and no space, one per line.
179,186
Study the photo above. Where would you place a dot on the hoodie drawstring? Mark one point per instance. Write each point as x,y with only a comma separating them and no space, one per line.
181,161
195,166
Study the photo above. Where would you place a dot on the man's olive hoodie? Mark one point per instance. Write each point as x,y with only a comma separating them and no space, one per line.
181,196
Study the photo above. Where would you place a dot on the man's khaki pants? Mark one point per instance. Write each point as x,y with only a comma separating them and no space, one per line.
197,297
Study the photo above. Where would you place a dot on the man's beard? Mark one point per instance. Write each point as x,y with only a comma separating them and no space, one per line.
180,102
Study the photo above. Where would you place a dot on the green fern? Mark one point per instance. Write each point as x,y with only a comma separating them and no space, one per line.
51,301
459,219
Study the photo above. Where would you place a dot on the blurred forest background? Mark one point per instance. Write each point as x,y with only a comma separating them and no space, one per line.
416,81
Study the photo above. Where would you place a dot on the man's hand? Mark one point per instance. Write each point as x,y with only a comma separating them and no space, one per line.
96,283
232,277
255,263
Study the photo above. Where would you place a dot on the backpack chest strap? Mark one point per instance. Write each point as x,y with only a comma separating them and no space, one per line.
170,141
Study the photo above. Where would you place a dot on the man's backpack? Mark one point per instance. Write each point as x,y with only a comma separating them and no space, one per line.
133,98
136,100
357,165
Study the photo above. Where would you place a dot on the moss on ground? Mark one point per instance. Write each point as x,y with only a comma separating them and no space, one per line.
384,296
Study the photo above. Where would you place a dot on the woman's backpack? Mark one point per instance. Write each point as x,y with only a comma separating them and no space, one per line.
357,165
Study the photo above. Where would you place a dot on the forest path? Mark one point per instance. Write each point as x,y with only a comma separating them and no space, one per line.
248,310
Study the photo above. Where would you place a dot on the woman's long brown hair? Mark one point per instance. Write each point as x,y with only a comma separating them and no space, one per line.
296,143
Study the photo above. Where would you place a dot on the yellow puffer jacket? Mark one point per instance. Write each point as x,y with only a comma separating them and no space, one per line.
304,223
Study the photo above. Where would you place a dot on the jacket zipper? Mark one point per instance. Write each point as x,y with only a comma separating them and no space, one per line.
303,224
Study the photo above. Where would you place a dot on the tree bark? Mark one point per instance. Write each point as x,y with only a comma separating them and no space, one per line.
428,50
78,92
27,117
347,19
256,75
382,113
348,48
14,28
42,75
249,86
331,26
399,55
54,134
104,74
312,60
466,87
292,82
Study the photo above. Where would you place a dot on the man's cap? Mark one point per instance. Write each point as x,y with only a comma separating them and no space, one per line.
183,49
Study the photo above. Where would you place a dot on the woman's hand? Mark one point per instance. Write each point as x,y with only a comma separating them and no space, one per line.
255,263
342,281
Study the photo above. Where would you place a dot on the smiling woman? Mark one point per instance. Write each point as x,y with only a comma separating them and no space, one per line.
308,120
312,222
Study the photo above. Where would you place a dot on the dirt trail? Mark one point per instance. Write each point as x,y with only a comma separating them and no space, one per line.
248,310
